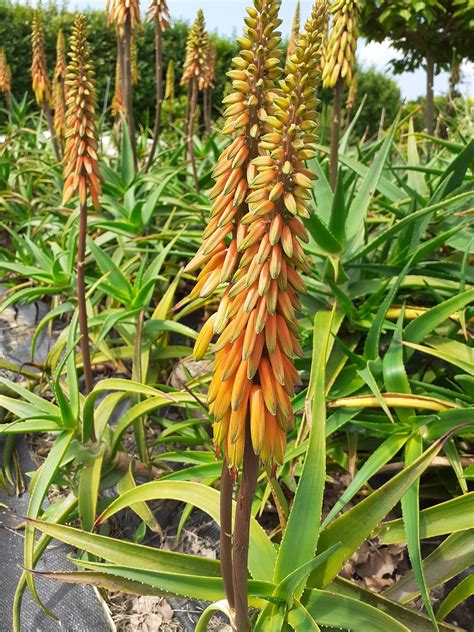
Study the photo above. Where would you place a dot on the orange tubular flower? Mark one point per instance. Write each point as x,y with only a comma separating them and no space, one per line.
122,10
39,72
254,374
242,366
159,12
59,86
81,171
197,53
5,73
117,100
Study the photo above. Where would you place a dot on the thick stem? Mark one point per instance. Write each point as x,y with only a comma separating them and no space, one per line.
335,130
126,74
139,425
81,300
430,67
159,92
50,122
207,110
241,535
8,100
192,114
226,532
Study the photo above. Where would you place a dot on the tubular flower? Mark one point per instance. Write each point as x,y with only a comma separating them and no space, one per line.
117,100
295,30
59,85
81,167
341,47
169,87
159,12
197,51
39,73
5,73
122,10
241,366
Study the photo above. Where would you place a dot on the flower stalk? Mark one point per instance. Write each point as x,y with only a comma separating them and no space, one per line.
169,89
40,80
158,13
81,168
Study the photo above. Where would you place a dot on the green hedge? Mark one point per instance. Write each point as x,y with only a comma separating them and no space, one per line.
15,33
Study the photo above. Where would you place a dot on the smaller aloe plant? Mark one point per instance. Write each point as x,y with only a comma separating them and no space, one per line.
125,14
195,74
338,67
40,80
158,13
81,167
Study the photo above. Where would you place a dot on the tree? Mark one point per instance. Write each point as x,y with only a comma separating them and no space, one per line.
427,32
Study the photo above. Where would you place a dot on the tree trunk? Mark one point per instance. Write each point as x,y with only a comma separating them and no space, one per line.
429,113
159,92
335,130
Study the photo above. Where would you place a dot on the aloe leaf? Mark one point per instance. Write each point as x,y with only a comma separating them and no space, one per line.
89,482
219,606
353,527
420,327
411,522
415,621
339,611
123,553
305,515
358,209
38,490
262,553
451,516
463,591
382,455
450,558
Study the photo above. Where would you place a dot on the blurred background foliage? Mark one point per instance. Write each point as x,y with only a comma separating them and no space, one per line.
382,92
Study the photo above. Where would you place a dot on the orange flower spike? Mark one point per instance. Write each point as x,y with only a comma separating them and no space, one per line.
59,86
5,73
158,11
122,10
81,173
196,63
39,71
